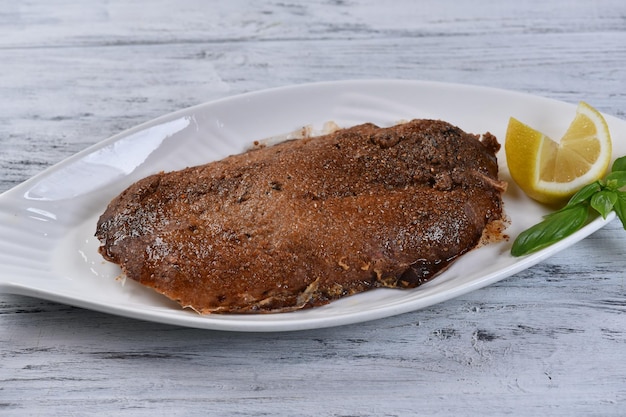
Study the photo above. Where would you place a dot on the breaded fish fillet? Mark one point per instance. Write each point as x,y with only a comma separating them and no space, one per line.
305,222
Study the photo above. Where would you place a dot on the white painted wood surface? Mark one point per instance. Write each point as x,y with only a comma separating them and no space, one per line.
548,341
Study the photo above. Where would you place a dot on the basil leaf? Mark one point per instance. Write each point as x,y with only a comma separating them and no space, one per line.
620,207
554,228
616,180
584,193
619,164
581,196
603,202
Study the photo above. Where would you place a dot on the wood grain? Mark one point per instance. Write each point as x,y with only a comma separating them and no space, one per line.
547,341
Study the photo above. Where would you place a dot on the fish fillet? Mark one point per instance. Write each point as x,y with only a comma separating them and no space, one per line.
305,222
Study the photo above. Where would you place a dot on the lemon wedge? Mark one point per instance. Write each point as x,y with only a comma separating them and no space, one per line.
551,172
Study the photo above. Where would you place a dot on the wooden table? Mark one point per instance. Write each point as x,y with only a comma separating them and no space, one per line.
547,341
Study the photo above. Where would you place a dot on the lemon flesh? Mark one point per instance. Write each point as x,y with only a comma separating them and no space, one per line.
551,172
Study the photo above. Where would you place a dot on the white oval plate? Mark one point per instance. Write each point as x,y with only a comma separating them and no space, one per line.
47,248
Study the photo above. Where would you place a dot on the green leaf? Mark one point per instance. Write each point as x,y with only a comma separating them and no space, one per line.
603,202
616,180
582,196
619,164
584,193
620,207
554,228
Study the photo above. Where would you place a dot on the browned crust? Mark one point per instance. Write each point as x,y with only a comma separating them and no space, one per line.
301,223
